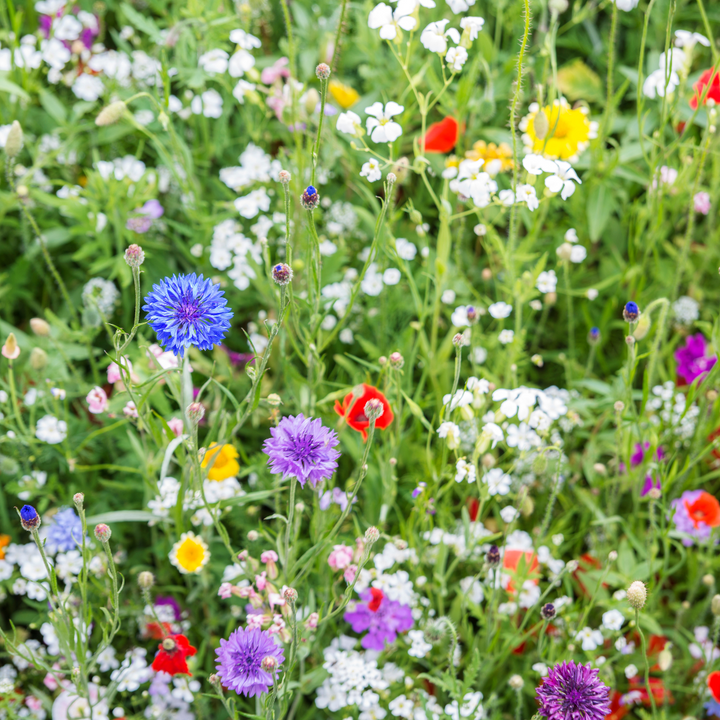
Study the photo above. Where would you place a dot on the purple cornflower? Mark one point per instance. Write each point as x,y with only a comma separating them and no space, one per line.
573,692
187,310
381,617
418,490
239,661
142,222
650,484
693,360
64,531
303,448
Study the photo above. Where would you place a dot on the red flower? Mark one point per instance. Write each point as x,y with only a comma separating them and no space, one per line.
657,688
353,410
617,711
171,655
377,598
158,632
713,682
512,560
699,87
442,136
706,509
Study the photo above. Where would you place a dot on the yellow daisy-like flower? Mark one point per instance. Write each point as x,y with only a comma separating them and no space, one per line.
498,158
223,462
344,95
189,554
569,130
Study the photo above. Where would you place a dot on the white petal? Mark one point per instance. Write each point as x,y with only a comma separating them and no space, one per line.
392,108
392,131
376,110
553,183
388,32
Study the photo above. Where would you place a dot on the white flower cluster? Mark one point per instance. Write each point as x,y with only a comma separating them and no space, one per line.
133,671
671,411
230,248
561,176
673,66
215,491
255,166
686,310
396,586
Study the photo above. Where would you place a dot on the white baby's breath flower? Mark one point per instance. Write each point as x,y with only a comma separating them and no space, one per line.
214,61
500,310
563,179
456,58
506,337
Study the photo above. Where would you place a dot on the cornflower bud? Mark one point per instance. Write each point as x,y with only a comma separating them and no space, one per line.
310,198
110,114
548,611
134,256
612,556
102,532
391,178
322,71
290,594
146,580
29,518
282,274
284,177
78,499
572,566
631,312
637,595
269,663
516,682
39,327
373,409
396,360
195,412
14,141
253,535
619,406
458,340
593,336
274,400
493,556
372,535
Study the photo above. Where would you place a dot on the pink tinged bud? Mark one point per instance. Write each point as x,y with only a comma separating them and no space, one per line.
195,412
243,555
226,590
11,350
701,202
269,556
290,594
78,499
102,532
97,401
269,664
350,574
322,71
312,622
134,256
373,409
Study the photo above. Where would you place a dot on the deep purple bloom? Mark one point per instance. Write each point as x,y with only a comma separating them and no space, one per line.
169,601
638,456
573,692
187,310
383,620
64,531
693,360
239,661
303,448
650,484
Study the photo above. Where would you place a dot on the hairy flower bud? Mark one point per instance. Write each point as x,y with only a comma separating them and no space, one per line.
373,409
548,611
372,535
40,327
195,412
310,198
637,595
102,532
78,499
134,256
493,556
110,114
631,312
282,274
284,177
14,141
322,71
29,518
146,580
516,682
269,663
11,349
612,556
396,360
290,594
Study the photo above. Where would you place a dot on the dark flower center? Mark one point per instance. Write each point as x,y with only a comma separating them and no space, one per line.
248,660
304,448
190,310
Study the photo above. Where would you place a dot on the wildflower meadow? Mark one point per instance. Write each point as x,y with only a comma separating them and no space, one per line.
358,359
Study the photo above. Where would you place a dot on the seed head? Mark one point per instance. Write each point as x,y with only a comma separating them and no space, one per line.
322,71
134,256
14,141
110,114
282,274
102,532
637,595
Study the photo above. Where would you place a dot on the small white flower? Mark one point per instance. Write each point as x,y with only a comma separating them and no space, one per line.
242,88
434,37
590,638
244,40
383,18
591,293
88,87
498,481
506,337
381,127
631,671
349,123
464,471
493,431
451,432
547,281
473,589
240,63
526,194
209,104
405,249
391,276
214,61
562,180
537,164
578,254
472,24
346,336
508,513
541,669
371,170
459,318
51,430
626,5
571,235
460,6
613,620
456,58
687,39
500,310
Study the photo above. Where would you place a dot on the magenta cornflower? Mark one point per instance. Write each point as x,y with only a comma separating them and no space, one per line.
573,692
240,658
303,448
693,360
381,617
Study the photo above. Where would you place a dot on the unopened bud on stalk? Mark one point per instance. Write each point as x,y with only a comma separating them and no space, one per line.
269,663
391,178
630,340
564,252
708,580
39,327
253,535
548,611
195,412
715,606
516,682
373,409
75,673
214,680
284,177
541,124
572,566
372,535
14,142
134,256
110,114
11,349
637,595
599,468
146,580
38,358
612,556
290,594
322,71
619,406
78,499
274,400
642,328
493,556
396,360
103,532
458,340
415,217
282,274
29,518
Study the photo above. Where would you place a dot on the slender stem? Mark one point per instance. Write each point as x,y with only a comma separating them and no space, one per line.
338,37
290,515
647,663
323,98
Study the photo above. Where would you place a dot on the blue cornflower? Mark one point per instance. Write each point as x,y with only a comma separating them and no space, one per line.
29,518
187,310
64,531
594,335
631,312
310,198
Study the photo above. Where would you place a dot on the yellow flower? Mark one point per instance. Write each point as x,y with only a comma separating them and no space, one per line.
344,95
189,554
569,131
223,462
498,158
5,540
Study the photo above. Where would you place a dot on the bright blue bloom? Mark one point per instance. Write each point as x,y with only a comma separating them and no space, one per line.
631,312
29,518
64,531
186,310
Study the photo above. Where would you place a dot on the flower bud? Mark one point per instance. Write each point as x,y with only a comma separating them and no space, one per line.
708,580
290,594
322,71
372,535
572,566
269,663
38,358
134,256
541,124
373,409
548,611
637,595
612,556
40,327
564,251
493,556
102,532
516,682
274,400
284,177
78,499
146,580
396,361
642,328
312,622
11,349
253,535
310,198
715,606
14,141
599,468
458,340
29,518
282,274
631,312
110,114
195,412
619,406
391,178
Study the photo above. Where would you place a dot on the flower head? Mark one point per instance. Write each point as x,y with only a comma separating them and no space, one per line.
389,22
573,692
186,311
631,312
696,513
29,518
222,460
344,95
97,401
310,198
51,430
190,553
353,409
569,130
64,531
303,448
710,77
171,655
693,359
380,125
713,683
381,617
240,659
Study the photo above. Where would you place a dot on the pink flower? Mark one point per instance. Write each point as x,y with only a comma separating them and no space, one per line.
115,372
350,573
312,622
261,581
340,557
50,682
176,425
97,401
130,410
279,70
256,621
33,703
226,590
701,201
276,599
269,557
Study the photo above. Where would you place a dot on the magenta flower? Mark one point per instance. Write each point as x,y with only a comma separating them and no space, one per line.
693,360
573,692
701,203
381,617
650,484
639,455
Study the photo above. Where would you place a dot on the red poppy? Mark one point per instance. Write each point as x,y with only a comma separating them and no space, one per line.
706,509
512,560
657,687
586,562
713,682
442,136
377,598
709,77
158,632
171,655
353,410
474,509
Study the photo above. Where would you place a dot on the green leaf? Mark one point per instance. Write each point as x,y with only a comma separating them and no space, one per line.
416,410
141,22
7,86
578,82
599,208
